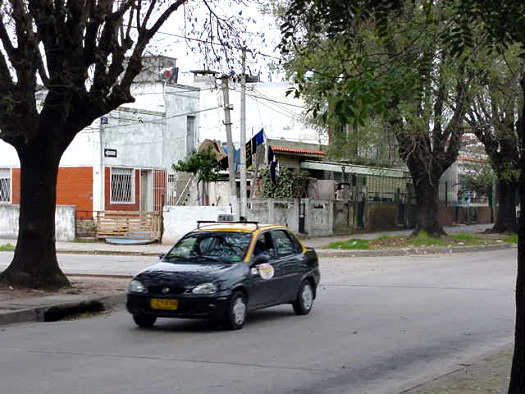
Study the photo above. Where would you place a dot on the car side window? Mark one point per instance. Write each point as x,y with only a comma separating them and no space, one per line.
284,243
264,245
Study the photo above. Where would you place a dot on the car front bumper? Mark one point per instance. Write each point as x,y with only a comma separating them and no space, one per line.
188,307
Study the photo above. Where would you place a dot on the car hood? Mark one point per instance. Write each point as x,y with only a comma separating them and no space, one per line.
185,274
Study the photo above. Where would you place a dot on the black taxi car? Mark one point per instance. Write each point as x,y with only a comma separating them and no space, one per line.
224,270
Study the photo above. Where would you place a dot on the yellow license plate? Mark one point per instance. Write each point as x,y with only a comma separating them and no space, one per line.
162,303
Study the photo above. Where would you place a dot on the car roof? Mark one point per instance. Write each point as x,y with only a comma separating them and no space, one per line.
238,227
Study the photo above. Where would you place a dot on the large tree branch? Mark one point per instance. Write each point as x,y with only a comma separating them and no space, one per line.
106,76
6,40
135,64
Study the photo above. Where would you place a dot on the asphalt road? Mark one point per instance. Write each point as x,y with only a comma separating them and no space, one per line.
379,325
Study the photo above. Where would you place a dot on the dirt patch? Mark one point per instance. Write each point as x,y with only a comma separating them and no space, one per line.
490,375
88,286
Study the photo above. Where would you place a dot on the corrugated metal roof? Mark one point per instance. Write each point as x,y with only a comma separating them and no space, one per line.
300,151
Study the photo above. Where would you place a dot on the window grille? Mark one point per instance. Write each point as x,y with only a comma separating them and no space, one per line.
122,185
5,185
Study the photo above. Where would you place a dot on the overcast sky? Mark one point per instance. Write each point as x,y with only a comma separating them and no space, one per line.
170,41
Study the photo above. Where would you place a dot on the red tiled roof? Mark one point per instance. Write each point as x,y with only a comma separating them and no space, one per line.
472,159
285,149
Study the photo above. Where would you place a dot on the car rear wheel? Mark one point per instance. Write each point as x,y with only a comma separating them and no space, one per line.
305,299
144,321
236,311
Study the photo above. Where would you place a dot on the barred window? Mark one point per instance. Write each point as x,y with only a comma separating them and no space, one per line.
5,185
122,185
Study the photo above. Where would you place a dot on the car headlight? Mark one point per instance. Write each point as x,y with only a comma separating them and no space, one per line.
136,287
205,288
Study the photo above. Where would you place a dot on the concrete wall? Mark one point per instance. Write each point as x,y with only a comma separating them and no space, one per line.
344,220
269,211
219,193
178,220
64,222
322,217
319,215
449,216
381,215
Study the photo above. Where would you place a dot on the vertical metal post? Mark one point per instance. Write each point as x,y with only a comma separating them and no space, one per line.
243,137
228,124
102,204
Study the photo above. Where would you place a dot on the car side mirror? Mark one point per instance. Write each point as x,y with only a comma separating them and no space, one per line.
161,256
261,259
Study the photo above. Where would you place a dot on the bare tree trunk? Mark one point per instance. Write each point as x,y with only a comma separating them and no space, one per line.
34,263
506,216
427,199
517,376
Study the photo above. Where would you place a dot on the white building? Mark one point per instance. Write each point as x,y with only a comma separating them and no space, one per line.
268,107
121,162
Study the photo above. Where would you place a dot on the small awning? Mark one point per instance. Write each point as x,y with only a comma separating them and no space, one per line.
352,169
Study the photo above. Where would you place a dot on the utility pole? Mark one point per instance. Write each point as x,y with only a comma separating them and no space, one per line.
228,124
244,200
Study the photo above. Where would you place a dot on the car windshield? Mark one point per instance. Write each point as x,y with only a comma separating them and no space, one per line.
222,246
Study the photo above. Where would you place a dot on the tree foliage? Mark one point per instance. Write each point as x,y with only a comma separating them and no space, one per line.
478,178
202,164
492,118
394,68
289,184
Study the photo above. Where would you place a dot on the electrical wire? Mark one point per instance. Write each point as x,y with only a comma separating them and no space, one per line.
160,121
238,47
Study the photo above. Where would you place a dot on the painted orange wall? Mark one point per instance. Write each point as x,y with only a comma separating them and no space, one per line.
15,186
75,187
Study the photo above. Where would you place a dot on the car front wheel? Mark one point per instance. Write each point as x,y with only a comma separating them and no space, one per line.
236,311
144,321
305,299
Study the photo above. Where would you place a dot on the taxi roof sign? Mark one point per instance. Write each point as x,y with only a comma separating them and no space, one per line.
225,217
200,223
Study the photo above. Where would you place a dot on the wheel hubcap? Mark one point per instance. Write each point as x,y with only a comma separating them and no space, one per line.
307,297
239,311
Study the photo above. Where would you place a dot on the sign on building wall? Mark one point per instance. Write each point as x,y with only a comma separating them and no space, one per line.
110,153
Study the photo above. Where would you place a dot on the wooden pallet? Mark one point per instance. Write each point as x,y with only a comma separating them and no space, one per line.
128,224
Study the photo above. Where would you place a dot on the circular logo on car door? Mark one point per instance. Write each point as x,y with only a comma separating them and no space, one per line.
266,271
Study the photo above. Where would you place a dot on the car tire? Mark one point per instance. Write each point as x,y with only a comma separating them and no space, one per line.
144,321
236,311
305,298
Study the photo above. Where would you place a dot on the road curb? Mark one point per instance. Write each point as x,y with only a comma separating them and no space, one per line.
9,313
108,252
412,251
